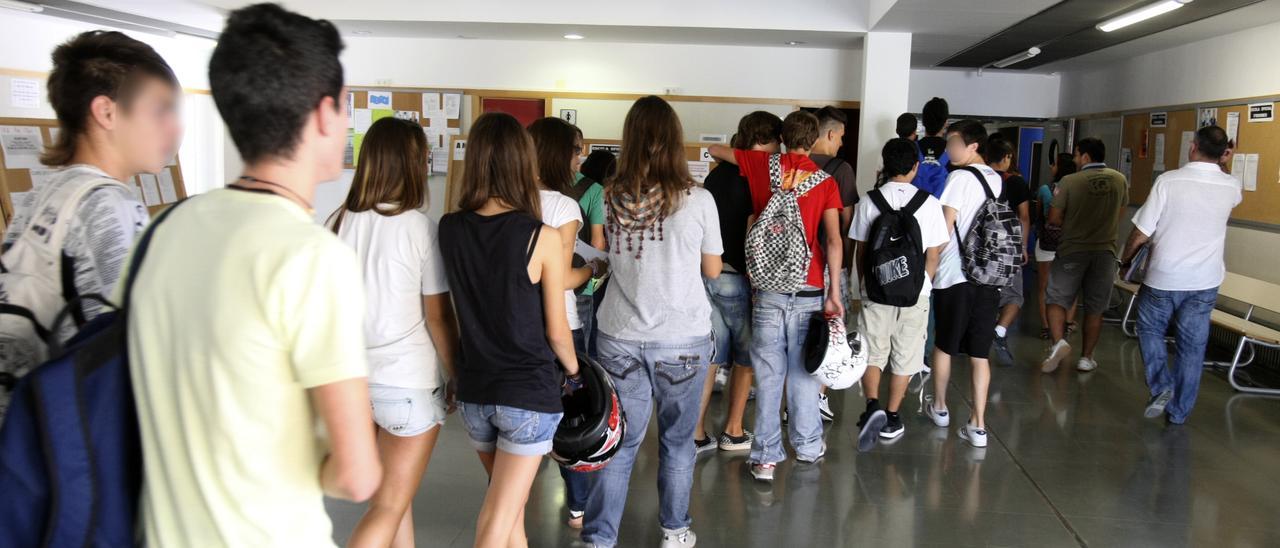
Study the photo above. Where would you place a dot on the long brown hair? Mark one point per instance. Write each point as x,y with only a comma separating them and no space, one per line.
557,142
392,170
500,164
652,154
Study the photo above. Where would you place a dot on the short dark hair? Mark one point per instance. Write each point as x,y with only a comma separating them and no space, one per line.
758,128
829,117
935,115
1094,148
556,142
95,63
997,148
799,130
269,71
971,131
906,125
900,155
1066,165
599,166
1212,141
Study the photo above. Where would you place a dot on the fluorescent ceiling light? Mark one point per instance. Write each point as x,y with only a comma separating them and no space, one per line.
1141,14
20,6
1016,58
573,36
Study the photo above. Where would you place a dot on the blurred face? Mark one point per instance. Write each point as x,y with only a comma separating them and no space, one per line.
576,162
829,141
1078,157
1003,164
147,133
960,153
330,118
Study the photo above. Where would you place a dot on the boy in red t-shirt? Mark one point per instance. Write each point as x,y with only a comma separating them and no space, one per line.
780,321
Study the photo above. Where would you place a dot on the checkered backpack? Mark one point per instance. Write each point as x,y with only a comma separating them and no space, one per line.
777,249
991,252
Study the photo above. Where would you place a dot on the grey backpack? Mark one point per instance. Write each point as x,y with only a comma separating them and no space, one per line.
991,252
777,250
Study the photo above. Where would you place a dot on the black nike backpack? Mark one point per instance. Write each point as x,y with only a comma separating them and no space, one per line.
894,262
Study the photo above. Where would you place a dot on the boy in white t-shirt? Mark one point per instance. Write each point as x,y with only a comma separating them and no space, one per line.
895,334
965,312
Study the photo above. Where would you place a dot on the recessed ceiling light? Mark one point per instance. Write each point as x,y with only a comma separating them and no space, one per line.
573,36
361,33
793,42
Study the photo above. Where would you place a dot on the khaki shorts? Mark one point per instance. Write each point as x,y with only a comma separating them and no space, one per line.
895,335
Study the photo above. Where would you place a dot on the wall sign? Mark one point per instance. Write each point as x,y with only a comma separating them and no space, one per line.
569,115
1159,119
615,149
1262,112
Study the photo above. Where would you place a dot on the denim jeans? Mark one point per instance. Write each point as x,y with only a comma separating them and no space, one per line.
779,325
1189,311
730,296
669,374
576,484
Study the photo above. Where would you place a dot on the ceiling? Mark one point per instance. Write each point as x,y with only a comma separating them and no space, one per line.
1068,29
942,27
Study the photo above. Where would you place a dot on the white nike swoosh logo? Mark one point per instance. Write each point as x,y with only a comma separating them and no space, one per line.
892,239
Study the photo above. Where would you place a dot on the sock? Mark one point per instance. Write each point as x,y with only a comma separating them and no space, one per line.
873,404
893,415
1001,330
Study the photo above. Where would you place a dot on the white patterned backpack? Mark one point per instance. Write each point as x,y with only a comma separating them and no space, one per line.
777,250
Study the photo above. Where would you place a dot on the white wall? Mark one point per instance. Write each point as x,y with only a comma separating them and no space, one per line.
995,93
765,72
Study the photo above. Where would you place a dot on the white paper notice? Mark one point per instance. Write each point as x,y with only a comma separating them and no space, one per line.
411,115
459,151
168,192
699,170
437,121
1158,164
41,177
361,119
150,189
587,252
24,93
379,99
452,105
1126,163
1233,127
430,103
22,146
1251,172
704,154
133,187
453,131
1184,150
1237,167
439,161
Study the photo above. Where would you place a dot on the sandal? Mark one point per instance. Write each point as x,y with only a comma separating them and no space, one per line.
1044,333
1071,327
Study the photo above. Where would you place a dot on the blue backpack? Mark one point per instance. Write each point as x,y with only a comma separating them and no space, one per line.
932,174
70,449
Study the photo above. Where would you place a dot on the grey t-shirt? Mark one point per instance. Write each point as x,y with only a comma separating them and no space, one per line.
660,296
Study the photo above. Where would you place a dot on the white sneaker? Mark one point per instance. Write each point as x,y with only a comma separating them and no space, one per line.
678,538
974,435
1058,353
722,379
940,417
1086,364
763,472
824,408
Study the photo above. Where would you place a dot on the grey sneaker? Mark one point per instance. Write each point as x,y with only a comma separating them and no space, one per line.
871,430
763,472
974,435
1002,349
1155,407
1086,365
940,417
705,444
824,408
678,538
1056,355
736,443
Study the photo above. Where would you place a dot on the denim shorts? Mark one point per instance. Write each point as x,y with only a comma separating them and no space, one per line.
730,318
513,430
407,412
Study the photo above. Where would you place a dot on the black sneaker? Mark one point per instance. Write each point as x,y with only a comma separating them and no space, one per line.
1002,348
867,436
862,419
705,444
892,428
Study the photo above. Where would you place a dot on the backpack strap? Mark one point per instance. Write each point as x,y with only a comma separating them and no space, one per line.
140,251
775,172
917,200
877,199
836,161
13,309
981,179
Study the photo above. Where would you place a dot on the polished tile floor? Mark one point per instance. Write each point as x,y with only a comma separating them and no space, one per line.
1071,462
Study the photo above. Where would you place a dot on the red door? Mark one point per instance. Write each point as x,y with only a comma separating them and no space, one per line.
525,110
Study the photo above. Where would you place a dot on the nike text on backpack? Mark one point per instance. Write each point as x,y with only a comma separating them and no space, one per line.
37,279
777,250
70,448
991,252
894,262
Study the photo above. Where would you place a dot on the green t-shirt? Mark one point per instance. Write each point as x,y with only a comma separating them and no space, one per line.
1091,200
592,201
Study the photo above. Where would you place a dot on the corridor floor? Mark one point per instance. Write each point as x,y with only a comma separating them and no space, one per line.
1071,462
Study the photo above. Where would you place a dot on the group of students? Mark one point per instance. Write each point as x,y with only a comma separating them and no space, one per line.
248,321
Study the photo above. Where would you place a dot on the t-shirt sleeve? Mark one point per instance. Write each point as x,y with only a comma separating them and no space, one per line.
321,313
712,243
831,196
956,194
1018,191
594,201
848,181
434,280
1148,216
864,214
933,225
1060,199
752,163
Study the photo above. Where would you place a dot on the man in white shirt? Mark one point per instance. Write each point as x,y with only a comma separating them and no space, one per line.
894,334
965,312
1184,269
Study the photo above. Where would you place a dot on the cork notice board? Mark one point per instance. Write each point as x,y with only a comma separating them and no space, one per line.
16,179
403,103
1261,138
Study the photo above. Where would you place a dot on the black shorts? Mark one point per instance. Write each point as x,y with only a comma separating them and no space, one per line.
965,316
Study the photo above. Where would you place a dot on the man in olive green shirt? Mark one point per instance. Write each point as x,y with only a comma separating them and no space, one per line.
1088,208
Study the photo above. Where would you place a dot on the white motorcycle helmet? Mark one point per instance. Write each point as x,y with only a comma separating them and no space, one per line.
832,357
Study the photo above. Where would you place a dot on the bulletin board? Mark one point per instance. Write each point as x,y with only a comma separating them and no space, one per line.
150,189
408,103
1261,206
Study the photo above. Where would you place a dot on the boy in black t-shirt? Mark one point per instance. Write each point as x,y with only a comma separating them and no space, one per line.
999,156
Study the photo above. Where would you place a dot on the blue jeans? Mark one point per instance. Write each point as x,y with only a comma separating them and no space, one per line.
730,296
517,431
779,325
1189,311
669,373
576,484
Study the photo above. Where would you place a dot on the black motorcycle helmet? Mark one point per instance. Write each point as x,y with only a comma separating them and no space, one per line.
591,431
815,343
